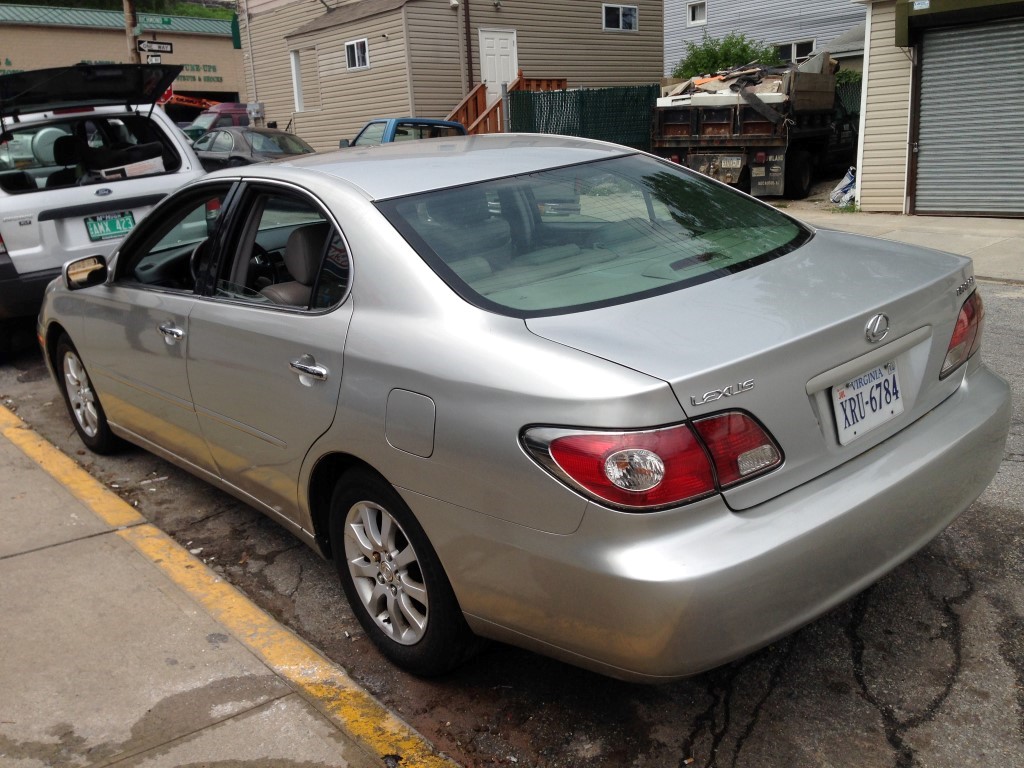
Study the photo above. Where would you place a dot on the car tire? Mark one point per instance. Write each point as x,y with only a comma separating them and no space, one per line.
799,175
236,162
82,401
393,579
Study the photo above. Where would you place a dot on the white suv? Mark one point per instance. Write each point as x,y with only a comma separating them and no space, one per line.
84,155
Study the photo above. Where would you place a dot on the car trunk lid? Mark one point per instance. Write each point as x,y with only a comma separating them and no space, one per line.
776,339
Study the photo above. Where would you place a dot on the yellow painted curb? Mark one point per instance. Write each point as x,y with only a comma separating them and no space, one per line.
324,683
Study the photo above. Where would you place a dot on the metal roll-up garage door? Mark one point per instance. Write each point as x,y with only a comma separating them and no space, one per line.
971,127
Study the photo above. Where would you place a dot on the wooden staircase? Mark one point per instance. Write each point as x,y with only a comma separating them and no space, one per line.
479,117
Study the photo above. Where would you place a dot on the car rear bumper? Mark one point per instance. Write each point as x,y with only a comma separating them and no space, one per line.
22,295
662,596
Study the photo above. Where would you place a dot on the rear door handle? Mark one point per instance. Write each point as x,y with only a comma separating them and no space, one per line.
307,366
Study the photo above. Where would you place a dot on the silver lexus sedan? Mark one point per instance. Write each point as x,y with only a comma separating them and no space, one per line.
645,432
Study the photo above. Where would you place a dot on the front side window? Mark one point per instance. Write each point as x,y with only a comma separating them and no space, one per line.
607,232
169,250
371,134
357,55
620,17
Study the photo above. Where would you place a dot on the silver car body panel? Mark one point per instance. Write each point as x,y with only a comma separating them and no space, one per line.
433,393
758,327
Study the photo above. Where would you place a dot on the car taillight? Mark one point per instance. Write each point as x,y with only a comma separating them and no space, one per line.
739,446
644,470
966,335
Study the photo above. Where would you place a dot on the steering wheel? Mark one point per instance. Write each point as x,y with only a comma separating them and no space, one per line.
262,271
194,259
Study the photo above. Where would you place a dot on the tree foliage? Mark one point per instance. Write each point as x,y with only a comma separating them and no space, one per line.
713,54
162,7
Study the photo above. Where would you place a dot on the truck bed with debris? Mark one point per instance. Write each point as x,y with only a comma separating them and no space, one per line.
766,129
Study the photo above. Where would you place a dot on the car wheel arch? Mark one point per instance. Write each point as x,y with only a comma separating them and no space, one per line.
322,481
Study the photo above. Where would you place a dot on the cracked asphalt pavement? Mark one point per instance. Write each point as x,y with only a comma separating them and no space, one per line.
925,668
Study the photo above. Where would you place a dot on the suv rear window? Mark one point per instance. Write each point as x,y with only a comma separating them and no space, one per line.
83,150
574,238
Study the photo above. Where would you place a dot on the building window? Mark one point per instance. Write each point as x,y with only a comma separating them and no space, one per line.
356,54
696,14
620,17
795,51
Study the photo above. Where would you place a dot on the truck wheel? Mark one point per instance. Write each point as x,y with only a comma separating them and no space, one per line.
799,175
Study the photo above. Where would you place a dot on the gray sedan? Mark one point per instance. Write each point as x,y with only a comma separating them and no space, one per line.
645,437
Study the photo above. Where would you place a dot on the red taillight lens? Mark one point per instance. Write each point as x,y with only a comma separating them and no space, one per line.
637,469
657,468
739,446
212,209
966,335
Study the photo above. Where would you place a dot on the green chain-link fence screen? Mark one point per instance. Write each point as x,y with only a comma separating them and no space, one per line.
621,115
849,95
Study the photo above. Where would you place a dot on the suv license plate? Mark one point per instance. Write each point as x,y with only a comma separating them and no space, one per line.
867,401
109,225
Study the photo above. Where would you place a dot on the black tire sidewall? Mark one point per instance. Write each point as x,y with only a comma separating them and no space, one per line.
447,640
104,441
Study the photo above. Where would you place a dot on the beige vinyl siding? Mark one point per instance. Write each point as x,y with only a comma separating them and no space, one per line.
271,58
566,39
437,58
883,171
351,97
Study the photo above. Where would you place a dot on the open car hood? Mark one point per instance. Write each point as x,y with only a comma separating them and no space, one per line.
83,85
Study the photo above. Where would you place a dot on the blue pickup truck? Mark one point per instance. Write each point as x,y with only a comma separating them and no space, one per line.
390,129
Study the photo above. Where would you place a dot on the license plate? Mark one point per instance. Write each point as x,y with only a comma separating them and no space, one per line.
730,162
109,225
867,401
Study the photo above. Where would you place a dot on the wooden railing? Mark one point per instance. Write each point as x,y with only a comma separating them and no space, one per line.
479,117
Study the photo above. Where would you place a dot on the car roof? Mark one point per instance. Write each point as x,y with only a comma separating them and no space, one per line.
404,168
93,85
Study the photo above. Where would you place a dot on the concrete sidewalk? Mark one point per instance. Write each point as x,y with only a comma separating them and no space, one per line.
117,646
996,245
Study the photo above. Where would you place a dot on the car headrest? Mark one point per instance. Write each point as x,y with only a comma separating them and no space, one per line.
304,251
65,150
458,207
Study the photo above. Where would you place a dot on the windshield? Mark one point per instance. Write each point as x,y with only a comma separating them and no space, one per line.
574,238
277,143
204,121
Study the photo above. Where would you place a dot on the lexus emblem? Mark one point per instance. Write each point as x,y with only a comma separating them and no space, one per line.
877,328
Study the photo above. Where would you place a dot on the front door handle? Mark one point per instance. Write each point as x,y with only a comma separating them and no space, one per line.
306,367
172,333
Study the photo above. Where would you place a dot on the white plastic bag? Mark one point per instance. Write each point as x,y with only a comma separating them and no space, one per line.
846,189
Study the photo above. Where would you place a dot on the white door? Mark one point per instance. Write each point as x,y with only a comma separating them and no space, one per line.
499,62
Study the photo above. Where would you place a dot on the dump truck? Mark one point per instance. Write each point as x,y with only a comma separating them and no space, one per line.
765,130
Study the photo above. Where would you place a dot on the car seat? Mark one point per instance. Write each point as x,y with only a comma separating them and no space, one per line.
302,256
65,153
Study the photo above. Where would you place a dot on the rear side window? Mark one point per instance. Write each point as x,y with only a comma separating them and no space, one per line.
584,236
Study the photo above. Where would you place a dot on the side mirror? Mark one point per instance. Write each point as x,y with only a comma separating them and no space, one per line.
343,143
84,273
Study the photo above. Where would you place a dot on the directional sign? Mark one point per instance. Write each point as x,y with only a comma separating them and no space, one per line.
152,58
154,46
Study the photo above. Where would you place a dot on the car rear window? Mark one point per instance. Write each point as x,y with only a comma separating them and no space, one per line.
80,150
578,237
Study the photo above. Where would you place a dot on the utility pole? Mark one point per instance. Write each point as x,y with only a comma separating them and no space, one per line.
131,26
